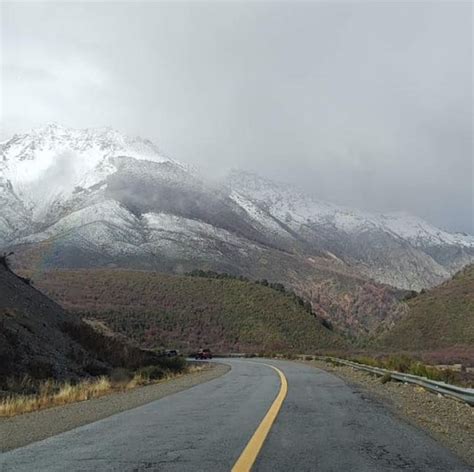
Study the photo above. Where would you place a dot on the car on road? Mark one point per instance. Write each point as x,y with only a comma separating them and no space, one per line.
203,354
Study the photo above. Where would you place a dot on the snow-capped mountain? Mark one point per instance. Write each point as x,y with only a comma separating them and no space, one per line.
396,248
285,202
52,163
94,197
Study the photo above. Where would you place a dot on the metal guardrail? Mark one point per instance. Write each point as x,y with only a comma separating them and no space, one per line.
465,395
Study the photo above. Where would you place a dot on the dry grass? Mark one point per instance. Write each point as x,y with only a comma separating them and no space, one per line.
142,377
52,393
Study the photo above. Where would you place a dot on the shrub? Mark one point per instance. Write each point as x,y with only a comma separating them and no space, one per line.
120,376
152,372
386,378
174,364
399,363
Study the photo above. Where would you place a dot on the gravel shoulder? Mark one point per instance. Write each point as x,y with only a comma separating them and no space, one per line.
31,427
446,420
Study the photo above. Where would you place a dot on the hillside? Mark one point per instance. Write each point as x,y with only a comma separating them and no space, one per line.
38,338
439,318
94,198
350,302
160,310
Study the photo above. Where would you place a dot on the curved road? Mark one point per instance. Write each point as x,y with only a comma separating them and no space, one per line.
323,425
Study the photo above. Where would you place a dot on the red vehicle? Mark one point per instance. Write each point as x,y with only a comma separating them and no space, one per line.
203,354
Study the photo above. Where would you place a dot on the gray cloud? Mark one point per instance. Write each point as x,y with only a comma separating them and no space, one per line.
363,103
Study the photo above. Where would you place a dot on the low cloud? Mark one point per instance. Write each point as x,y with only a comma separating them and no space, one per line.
365,103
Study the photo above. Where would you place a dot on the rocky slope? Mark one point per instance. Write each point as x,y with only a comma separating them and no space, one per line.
40,339
94,198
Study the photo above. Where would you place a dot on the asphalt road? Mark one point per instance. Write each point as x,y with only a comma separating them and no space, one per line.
323,425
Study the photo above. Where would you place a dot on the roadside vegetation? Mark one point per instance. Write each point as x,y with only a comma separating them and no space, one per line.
407,365
414,365
29,395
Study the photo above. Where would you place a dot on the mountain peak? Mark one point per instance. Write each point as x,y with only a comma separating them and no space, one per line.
53,138
47,164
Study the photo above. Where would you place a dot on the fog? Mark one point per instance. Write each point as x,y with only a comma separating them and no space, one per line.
367,104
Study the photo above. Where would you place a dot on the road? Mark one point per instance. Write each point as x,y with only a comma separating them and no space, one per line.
323,425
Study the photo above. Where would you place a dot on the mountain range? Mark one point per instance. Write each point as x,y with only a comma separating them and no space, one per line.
96,198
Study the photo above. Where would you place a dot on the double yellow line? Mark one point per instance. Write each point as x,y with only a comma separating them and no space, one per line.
249,454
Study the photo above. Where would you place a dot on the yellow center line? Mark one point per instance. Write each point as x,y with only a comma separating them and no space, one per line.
249,454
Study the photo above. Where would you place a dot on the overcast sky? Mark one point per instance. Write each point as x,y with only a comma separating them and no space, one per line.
368,104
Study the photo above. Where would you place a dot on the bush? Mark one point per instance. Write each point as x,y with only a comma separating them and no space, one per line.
386,378
398,363
120,376
152,372
174,364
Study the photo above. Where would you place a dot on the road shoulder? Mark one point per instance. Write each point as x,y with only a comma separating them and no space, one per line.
446,420
31,427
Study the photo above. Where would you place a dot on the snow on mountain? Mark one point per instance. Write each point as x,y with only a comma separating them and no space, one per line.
396,249
50,163
296,208
117,200
421,233
186,238
14,217
108,213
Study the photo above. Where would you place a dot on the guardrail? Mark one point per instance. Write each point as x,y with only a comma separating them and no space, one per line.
465,395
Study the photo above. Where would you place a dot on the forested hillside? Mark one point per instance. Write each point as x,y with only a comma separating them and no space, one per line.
160,310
